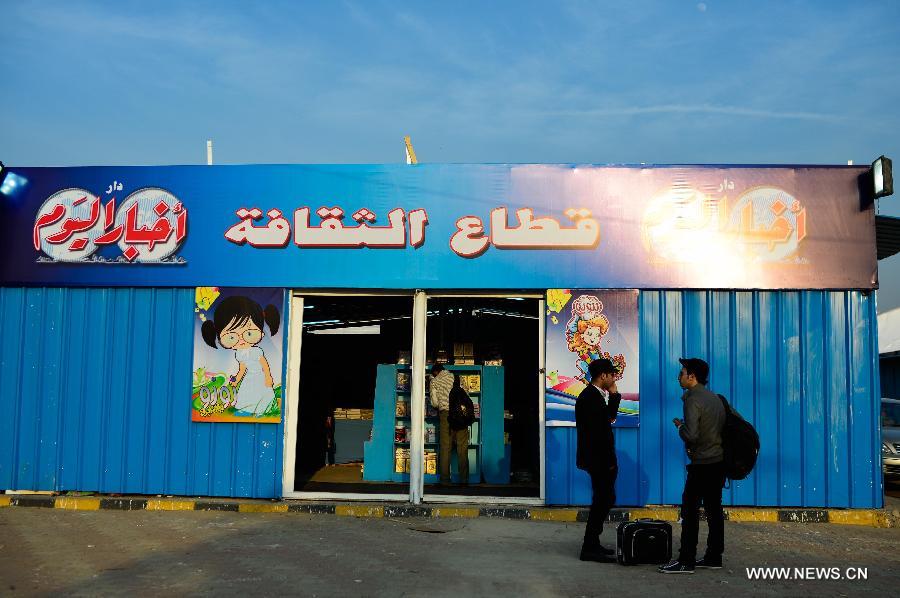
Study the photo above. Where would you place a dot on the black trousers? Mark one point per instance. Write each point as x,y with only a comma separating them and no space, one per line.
703,485
603,497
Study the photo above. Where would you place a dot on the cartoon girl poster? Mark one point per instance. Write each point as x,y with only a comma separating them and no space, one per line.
237,355
583,326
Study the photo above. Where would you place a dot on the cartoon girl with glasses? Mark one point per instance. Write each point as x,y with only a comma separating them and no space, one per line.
238,324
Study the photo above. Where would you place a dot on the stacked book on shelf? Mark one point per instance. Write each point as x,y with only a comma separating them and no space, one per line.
401,460
341,413
463,354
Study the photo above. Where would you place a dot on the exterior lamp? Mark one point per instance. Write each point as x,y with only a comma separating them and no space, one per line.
882,177
11,184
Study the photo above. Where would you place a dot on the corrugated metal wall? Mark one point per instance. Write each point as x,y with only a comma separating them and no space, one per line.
93,391
801,366
95,395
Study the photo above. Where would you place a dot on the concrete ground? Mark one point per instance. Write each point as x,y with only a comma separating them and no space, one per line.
53,552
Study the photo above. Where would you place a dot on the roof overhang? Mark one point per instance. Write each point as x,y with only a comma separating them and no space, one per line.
887,236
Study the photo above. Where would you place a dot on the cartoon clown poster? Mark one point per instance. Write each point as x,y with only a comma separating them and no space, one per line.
582,326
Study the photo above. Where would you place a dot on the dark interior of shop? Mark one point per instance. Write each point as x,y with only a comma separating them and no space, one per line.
346,337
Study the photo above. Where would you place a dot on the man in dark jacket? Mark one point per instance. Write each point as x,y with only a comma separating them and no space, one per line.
701,430
595,410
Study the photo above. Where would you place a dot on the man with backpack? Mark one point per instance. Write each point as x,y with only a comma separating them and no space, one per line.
443,385
701,431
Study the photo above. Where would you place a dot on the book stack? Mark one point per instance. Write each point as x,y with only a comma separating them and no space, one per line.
430,462
463,354
402,409
401,460
401,433
354,413
403,381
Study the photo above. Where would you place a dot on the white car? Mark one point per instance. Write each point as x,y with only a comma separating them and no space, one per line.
890,438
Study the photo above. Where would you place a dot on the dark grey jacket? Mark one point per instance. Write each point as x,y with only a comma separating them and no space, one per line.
704,418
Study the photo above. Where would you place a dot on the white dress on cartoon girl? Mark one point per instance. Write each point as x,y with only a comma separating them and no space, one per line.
254,396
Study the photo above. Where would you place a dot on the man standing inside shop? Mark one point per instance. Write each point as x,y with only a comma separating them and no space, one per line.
595,410
441,385
701,430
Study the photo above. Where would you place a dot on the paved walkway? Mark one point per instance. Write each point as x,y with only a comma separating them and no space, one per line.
57,551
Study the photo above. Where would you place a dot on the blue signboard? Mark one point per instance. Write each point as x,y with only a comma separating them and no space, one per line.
438,226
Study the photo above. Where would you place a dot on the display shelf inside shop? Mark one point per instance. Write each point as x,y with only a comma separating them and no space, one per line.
387,453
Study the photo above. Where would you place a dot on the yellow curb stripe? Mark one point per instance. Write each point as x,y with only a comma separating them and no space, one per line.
883,519
862,517
358,511
751,515
4,500
661,513
262,508
163,504
554,514
71,503
454,512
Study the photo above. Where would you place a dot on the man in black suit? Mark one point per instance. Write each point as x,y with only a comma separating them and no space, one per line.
595,411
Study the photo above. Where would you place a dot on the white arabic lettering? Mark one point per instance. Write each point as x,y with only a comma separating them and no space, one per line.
544,233
276,233
331,231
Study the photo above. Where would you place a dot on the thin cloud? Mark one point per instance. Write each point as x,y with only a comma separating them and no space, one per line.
700,109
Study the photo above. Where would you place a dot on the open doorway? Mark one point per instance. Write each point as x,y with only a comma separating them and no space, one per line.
491,346
354,350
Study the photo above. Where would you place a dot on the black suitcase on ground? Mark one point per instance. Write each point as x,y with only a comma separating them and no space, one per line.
644,542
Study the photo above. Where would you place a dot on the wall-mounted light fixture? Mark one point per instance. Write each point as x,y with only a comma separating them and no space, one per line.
882,177
10,183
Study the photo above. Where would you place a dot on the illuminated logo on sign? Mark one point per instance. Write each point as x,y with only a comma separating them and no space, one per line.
148,226
765,224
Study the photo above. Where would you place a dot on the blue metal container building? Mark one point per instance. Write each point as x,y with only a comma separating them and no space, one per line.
801,366
93,381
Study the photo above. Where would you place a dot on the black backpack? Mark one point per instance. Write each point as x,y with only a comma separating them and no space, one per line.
740,442
462,410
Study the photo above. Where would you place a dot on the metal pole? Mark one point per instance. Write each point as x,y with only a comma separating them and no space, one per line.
410,152
209,152
417,411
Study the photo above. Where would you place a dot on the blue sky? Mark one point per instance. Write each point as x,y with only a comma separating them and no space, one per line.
586,82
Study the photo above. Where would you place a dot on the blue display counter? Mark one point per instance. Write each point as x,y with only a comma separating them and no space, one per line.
385,458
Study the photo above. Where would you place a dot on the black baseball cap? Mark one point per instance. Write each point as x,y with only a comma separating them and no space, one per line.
697,367
601,366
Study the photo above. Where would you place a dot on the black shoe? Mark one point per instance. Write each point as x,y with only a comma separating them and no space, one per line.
597,548
709,563
598,555
676,567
